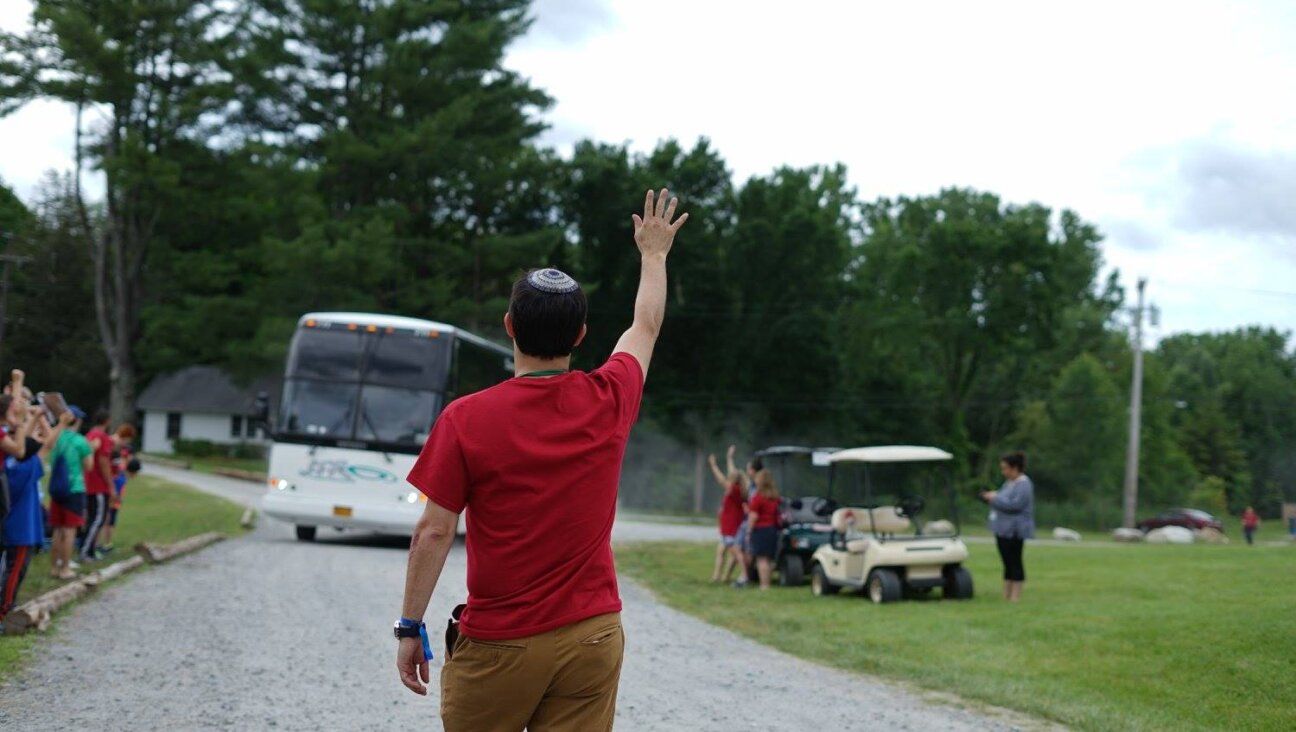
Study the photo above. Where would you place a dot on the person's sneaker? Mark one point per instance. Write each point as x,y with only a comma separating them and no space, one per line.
741,584
105,550
73,566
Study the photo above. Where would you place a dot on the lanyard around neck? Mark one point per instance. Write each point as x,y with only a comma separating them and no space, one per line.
541,374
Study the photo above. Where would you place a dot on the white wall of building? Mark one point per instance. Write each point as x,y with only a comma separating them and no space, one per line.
193,426
155,436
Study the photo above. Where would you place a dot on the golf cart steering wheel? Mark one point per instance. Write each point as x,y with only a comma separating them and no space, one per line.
823,506
910,506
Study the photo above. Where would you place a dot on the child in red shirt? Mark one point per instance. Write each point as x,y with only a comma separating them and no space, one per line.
732,507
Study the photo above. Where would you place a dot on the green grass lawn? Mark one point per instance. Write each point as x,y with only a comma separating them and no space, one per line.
154,510
1106,638
209,463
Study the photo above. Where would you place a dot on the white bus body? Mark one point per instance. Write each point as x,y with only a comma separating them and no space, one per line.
342,488
360,394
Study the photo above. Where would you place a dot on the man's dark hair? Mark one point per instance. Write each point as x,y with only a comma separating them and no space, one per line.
1016,460
101,417
757,464
546,324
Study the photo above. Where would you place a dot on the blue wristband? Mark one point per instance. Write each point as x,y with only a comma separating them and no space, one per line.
427,647
423,636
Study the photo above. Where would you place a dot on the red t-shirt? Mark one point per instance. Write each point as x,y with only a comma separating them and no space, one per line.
123,459
94,480
537,462
766,510
731,511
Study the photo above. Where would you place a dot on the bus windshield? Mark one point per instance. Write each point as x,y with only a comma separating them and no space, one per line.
354,386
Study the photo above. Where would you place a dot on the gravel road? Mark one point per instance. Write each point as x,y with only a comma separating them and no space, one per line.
265,632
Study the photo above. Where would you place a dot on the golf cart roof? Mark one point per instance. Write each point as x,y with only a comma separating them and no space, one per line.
794,450
889,454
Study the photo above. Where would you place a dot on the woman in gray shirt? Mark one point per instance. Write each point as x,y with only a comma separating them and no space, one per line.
1012,519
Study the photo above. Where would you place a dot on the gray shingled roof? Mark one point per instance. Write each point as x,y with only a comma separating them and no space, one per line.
204,389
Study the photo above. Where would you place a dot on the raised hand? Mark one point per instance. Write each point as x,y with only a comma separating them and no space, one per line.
655,231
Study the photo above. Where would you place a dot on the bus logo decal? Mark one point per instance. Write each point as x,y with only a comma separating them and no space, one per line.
340,472
327,470
367,472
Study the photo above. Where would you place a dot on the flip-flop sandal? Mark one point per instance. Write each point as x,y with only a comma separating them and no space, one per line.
68,575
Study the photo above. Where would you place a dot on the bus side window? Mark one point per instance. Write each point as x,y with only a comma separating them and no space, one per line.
477,368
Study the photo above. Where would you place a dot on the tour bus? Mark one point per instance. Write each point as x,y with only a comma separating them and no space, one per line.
360,394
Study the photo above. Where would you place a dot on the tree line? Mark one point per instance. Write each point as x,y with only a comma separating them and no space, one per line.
268,157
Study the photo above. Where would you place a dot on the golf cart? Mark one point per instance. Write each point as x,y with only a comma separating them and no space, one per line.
803,530
880,545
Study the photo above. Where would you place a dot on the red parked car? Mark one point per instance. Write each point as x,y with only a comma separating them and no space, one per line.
1189,518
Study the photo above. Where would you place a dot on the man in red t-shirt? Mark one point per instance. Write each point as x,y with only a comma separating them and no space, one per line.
98,482
536,462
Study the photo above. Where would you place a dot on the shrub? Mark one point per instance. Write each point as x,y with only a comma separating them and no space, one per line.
1210,495
207,448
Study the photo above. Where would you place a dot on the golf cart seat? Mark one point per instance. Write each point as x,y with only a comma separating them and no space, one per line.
852,523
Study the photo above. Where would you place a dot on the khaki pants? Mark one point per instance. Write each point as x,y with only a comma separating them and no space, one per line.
562,680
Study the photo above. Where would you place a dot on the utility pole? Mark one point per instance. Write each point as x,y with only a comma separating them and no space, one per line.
5,261
1135,414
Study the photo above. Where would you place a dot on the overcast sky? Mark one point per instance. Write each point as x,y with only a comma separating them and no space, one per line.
1172,126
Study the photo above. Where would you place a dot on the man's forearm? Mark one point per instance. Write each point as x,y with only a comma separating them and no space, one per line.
650,303
429,548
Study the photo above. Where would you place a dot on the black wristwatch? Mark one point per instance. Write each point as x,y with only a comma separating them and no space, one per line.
407,629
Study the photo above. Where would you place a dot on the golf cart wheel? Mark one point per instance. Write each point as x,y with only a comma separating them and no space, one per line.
819,583
791,571
884,586
305,533
958,583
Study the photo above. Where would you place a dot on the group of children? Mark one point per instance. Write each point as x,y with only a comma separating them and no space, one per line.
749,520
87,478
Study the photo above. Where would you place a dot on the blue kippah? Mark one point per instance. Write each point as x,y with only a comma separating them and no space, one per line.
552,280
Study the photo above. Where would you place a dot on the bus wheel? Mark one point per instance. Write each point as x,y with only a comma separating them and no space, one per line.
305,533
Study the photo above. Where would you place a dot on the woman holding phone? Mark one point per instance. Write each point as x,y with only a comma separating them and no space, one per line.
1012,519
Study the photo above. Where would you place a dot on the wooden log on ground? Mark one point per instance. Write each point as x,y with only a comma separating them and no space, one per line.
168,462
149,551
115,570
156,553
36,612
250,476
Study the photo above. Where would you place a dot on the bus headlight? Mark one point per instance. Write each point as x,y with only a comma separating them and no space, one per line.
415,497
279,484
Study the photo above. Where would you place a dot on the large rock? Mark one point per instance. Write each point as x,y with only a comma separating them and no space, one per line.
1170,535
1130,535
1210,536
1062,534
940,527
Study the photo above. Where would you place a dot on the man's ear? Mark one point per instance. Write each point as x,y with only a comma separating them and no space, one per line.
508,325
581,337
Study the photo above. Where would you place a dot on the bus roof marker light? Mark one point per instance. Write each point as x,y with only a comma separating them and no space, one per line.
352,326
434,334
371,329
310,324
